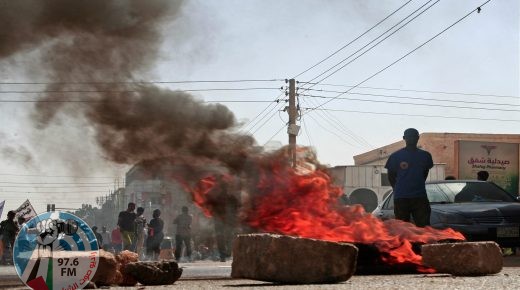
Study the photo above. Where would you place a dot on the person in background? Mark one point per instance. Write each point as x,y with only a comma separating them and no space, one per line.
407,172
125,222
482,175
183,234
99,238
117,241
21,221
155,235
8,231
225,211
140,224
106,238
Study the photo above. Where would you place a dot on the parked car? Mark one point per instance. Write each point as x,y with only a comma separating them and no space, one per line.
480,210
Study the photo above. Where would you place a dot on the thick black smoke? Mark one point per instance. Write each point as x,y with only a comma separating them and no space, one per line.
102,47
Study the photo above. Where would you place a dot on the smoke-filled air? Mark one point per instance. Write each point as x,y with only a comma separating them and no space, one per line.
105,47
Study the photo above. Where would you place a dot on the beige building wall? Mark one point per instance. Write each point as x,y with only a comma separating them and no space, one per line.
442,146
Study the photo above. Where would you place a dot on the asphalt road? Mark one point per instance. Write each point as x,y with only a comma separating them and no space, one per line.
215,275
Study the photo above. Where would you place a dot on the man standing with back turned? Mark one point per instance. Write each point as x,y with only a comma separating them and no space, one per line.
125,222
183,235
407,171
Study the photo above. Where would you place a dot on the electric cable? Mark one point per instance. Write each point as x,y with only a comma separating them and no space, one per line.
376,44
352,41
134,91
407,54
307,133
413,104
412,90
140,82
415,115
277,132
60,176
334,133
418,98
265,122
338,125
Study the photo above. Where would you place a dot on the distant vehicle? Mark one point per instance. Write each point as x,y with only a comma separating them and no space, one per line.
480,210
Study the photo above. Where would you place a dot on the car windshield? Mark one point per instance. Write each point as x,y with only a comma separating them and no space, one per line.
466,191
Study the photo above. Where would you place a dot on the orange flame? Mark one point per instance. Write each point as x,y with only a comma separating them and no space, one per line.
307,206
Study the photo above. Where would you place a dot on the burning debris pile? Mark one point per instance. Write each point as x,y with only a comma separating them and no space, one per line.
102,47
282,201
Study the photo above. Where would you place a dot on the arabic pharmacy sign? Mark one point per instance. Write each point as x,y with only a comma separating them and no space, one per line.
499,159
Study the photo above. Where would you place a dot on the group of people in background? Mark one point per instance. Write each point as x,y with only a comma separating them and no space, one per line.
134,233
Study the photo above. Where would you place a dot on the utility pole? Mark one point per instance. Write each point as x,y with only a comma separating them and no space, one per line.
292,128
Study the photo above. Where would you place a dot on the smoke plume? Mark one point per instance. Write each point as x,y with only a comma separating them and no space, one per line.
94,51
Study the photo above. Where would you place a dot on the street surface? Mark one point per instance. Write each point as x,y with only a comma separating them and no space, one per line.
216,275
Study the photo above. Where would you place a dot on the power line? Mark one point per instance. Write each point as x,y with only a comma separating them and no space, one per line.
101,101
352,41
407,54
338,125
134,91
52,183
240,101
51,101
67,176
276,100
412,90
418,98
140,82
307,132
266,120
52,187
414,115
376,44
277,132
36,201
53,192
330,131
413,104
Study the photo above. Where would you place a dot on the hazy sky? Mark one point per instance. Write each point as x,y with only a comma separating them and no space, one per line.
476,62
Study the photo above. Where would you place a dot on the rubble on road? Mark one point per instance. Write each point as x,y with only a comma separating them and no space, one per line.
294,260
123,259
111,269
125,269
105,274
154,273
463,259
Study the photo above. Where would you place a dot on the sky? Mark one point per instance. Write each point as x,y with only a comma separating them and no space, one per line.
466,80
